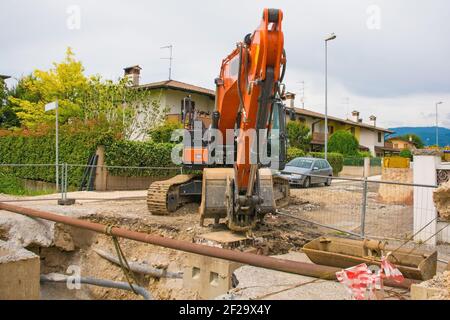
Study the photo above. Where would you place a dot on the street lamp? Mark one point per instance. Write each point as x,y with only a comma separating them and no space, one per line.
437,124
331,37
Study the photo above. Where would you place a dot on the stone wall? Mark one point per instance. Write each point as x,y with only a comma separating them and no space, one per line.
396,194
441,198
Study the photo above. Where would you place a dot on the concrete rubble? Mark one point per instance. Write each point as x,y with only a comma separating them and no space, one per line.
258,283
441,198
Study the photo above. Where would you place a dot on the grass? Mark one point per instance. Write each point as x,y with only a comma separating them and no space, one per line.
14,186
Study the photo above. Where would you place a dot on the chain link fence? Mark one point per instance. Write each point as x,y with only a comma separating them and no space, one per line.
365,207
361,207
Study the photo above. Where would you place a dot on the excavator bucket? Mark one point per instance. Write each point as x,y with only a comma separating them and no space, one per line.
217,204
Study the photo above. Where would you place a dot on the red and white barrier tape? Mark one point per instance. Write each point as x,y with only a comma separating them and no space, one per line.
362,283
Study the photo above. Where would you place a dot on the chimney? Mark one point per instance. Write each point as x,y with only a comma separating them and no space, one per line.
373,120
290,99
355,116
133,74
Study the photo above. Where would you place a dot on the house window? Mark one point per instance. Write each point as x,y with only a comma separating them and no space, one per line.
330,130
396,145
379,136
352,130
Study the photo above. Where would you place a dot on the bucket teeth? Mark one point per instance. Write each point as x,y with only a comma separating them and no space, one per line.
157,193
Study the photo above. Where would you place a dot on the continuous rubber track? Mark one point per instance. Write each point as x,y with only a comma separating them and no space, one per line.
157,195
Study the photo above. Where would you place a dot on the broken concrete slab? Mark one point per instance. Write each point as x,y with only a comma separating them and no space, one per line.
19,273
258,283
23,231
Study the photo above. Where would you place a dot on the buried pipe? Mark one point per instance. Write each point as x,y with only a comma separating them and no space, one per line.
141,268
60,278
295,267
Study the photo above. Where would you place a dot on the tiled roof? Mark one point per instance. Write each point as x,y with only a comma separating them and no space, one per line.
318,115
4,77
178,85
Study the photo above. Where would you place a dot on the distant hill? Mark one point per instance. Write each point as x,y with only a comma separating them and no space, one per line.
428,134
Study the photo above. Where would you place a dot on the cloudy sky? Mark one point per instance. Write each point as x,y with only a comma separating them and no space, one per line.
390,58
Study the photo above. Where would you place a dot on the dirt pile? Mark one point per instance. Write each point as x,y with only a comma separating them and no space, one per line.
440,281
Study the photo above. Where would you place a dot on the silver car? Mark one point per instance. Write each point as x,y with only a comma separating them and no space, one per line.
297,171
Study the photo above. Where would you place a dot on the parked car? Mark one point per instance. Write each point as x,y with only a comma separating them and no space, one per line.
298,169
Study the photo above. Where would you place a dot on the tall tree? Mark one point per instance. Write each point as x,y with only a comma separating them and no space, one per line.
298,135
126,109
8,117
415,139
343,142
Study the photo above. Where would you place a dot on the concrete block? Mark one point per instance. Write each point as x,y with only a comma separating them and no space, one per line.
420,292
210,277
19,273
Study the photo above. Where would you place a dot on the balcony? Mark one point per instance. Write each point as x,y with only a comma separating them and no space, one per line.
318,138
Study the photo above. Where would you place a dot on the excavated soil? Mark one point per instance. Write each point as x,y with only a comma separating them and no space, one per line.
75,248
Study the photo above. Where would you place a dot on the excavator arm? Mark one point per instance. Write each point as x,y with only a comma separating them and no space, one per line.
249,80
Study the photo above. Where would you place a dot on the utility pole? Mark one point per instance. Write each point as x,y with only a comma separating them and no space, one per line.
331,37
49,107
170,58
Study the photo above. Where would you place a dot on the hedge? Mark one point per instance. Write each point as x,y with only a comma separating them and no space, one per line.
335,159
139,154
294,153
74,148
359,161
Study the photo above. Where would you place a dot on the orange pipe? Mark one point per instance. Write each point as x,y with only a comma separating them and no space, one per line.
295,267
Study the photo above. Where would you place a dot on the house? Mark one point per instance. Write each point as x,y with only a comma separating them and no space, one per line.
170,95
400,144
369,135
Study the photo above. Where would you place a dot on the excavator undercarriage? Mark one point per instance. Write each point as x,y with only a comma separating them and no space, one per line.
167,196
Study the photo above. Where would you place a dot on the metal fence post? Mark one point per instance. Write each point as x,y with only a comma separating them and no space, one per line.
61,186
66,179
364,207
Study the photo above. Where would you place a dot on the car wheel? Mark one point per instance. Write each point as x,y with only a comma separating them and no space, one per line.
328,182
307,182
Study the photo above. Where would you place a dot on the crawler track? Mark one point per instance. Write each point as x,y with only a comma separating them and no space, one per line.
163,196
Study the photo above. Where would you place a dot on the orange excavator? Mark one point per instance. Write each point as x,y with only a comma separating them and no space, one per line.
236,181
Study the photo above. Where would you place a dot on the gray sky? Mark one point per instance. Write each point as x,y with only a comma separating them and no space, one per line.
390,58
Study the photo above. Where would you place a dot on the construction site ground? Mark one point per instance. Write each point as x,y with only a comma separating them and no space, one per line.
61,247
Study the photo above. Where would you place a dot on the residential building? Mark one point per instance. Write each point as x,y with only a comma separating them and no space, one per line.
170,95
401,144
369,135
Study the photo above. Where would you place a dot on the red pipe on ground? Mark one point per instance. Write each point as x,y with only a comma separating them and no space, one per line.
295,267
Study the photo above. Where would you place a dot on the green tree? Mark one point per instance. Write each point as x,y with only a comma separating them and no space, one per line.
415,139
298,135
405,153
343,142
126,109
163,132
